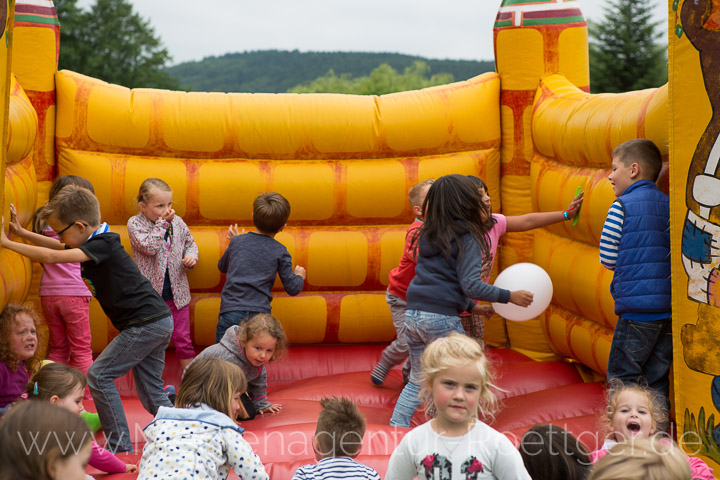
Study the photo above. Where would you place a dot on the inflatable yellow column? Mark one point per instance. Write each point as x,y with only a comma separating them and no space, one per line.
694,53
35,59
532,39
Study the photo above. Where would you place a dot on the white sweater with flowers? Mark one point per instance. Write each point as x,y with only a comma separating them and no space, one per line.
482,453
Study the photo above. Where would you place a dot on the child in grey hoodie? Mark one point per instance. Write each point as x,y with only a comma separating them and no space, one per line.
251,346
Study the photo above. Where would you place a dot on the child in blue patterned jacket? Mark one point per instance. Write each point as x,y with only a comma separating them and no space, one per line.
199,439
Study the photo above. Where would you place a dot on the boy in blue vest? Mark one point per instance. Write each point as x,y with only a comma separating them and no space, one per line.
635,243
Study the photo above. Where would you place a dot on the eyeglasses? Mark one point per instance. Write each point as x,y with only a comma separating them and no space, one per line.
66,228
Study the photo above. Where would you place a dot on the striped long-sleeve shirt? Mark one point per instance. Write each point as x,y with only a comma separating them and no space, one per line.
611,235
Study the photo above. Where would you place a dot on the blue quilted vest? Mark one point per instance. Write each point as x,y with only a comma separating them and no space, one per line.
642,272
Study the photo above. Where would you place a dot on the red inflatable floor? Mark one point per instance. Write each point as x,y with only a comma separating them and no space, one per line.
531,393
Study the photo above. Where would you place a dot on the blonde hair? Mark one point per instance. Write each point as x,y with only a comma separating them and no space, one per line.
658,414
415,192
457,350
214,382
147,187
73,204
642,459
264,323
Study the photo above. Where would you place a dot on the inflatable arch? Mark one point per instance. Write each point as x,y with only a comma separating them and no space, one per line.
345,163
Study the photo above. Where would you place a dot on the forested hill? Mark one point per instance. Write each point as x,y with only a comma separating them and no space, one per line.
273,71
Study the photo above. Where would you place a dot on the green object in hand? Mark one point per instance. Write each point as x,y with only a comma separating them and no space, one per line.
575,218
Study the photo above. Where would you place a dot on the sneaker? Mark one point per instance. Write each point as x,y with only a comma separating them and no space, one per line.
170,393
377,376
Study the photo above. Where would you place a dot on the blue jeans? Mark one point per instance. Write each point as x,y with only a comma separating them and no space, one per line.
642,352
141,349
421,328
228,319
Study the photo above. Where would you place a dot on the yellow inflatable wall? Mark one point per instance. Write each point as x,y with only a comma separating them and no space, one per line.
345,163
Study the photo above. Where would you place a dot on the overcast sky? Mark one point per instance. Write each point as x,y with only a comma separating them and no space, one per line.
456,29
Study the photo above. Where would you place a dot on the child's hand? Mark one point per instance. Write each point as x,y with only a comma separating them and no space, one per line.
522,298
233,231
300,271
169,215
274,408
575,204
189,262
3,238
15,226
131,468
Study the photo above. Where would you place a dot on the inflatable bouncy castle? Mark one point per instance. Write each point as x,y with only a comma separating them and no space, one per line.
531,130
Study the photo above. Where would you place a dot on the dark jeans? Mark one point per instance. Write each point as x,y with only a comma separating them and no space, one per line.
228,319
641,352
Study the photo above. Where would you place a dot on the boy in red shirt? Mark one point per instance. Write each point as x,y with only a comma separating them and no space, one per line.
400,277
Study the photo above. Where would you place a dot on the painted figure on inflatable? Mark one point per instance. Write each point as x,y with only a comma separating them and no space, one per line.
700,22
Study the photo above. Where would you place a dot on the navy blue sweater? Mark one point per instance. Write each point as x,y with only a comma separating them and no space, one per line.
447,285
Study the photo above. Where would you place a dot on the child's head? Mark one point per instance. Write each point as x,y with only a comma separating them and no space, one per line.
154,198
60,183
74,214
633,411
552,452
632,161
263,339
340,429
59,384
457,375
416,196
642,459
453,207
216,383
270,213
483,191
44,442
18,336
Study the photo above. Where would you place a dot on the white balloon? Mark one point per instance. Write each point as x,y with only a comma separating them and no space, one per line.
524,276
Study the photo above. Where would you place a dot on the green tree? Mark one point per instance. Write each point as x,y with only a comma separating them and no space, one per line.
383,79
624,51
113,43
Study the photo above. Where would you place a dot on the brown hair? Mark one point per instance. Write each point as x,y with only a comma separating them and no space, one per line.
55,379
264,323
36,435
642,459
214,382
415,192
61,182
270,212
643,152
150,184
457,350
73,204
7,325
340,428
551,452
658,413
